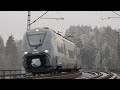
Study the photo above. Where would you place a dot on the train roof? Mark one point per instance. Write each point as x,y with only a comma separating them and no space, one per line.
64,37
35,29
49,30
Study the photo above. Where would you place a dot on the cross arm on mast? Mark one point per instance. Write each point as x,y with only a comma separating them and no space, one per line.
29,19
39,18
54,18
116,13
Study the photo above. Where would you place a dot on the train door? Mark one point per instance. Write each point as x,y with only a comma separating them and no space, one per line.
76,55
65,55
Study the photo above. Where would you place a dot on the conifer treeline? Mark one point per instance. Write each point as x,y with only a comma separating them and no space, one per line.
99,47
10,54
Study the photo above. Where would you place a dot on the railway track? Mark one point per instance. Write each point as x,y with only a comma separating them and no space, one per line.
72,75
101,75
107,75
89,75
56,76
17,74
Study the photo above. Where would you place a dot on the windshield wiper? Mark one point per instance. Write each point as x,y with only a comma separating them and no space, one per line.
39,44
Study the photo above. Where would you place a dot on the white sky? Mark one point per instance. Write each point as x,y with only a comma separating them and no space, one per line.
15,22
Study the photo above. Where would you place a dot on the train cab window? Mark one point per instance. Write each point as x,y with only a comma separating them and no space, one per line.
36,39
71,54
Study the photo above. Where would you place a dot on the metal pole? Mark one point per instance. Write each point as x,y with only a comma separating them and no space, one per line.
118,52
38,18
29,21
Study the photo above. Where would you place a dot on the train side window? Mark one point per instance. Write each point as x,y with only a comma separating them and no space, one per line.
75,52
71,55
60,48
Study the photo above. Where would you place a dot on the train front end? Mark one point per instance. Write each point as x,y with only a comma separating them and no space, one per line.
36,49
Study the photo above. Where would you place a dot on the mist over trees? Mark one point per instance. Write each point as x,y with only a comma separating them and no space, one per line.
99,47
2,48
10,54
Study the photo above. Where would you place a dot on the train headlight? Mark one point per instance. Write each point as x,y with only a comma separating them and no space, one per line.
37,30
25,52
46,51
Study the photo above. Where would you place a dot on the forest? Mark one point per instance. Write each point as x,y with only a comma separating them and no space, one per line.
10,54
99,48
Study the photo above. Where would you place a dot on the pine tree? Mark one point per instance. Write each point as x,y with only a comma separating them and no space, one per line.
106,62
2,47
97,61
11,52
104,51
118,51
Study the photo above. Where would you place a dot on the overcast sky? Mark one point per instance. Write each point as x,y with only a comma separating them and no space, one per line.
15,22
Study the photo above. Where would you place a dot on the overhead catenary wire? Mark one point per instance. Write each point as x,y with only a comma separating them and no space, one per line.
53,18
102,27
39,17
109,18
116,13
112,17
117,42
60,17
59,22
118,61
59,14
103,34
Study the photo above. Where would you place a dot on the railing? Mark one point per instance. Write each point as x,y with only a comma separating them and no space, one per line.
12,74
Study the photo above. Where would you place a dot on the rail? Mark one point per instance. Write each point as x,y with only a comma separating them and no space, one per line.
107,76
11,74
71,75
96,76
101,75
21,74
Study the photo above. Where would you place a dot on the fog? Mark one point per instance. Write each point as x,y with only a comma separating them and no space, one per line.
15,22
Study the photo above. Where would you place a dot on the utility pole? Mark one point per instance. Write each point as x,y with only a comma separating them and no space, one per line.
118,60
118,44
29,21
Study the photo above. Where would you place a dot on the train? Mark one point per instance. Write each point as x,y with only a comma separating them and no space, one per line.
47,51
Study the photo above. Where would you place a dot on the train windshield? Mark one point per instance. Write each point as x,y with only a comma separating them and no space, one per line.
36,39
